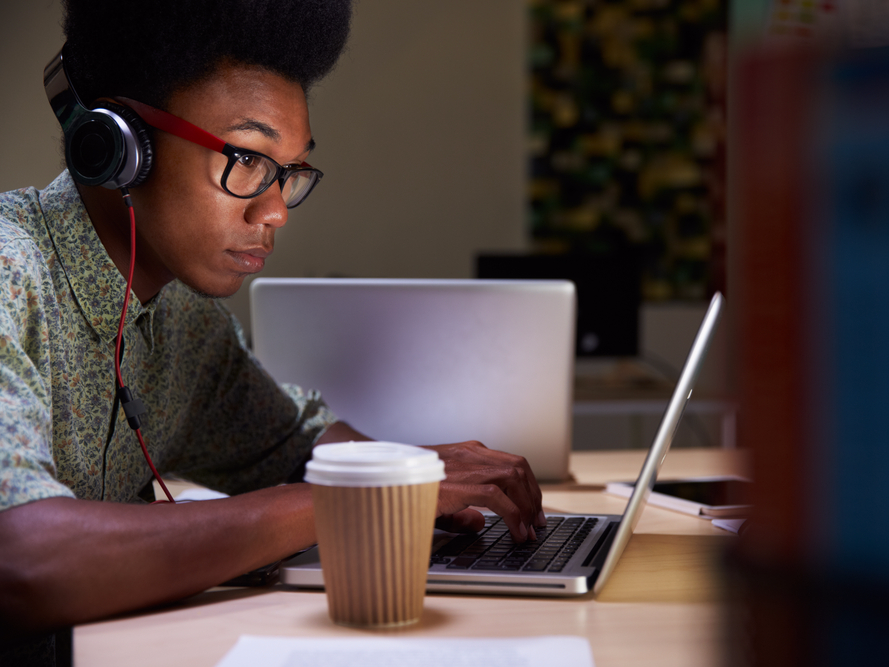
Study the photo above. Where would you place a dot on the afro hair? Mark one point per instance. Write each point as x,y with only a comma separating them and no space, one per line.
149,49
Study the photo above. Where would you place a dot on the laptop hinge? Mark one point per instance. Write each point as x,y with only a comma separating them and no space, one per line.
597,554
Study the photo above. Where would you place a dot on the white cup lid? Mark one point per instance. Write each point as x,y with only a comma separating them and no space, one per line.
373,464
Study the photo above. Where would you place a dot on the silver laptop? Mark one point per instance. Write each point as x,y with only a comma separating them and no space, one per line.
574,555
430,362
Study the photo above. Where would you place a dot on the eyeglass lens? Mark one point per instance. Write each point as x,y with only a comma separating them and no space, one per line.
250,174
297,186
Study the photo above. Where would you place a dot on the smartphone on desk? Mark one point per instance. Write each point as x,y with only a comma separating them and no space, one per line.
723,496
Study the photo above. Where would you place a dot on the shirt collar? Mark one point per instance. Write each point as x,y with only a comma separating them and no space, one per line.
96,284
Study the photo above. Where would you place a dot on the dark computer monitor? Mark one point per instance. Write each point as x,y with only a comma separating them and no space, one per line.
608,294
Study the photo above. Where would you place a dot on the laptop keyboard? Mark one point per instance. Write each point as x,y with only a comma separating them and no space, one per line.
493,548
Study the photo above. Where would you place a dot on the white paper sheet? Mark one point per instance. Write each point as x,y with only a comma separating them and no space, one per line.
564,651
192,495
731,525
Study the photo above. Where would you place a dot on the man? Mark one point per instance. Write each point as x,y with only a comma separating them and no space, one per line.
238,70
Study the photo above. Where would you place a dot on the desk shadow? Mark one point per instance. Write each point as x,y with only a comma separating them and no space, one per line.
430,620
208,597
669,568
223,594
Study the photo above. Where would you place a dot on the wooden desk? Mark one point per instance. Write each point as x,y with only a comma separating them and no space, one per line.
662,605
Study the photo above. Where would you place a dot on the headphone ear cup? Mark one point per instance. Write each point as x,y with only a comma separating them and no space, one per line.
139,152
110,146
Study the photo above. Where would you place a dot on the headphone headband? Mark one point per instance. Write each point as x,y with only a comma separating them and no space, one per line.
65,103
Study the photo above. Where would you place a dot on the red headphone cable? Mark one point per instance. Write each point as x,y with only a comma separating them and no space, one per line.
133,407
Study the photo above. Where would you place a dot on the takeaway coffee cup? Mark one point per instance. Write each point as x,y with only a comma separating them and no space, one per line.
374,514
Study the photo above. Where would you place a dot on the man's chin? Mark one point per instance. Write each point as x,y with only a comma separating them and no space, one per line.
214,292
207,295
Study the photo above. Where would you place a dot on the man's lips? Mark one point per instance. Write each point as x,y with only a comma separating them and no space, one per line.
251,259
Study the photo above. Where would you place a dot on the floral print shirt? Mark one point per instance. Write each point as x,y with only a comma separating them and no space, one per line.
214,416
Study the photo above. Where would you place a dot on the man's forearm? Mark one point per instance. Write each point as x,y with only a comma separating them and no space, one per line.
66,561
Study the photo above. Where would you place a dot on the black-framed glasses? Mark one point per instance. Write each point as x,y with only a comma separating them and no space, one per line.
248,173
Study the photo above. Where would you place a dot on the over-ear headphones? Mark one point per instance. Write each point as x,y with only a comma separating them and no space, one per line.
107,145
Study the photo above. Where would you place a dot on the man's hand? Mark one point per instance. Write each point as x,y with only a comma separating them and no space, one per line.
478,476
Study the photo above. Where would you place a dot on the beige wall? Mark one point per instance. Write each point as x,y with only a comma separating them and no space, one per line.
420,133
29,134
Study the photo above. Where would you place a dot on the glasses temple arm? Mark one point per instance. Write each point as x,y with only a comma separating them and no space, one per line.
174,125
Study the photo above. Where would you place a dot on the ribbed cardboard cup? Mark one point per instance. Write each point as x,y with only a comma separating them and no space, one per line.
374,515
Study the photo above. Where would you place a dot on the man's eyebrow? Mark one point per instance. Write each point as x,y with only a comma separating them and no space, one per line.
251,124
